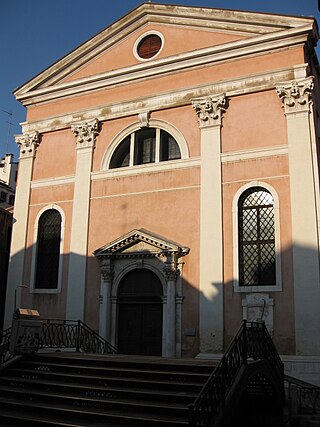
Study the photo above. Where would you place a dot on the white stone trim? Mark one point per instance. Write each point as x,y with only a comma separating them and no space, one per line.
258,307
148,33
77,281
34,252
297,98
146,169
153,123
305,368
176,63
257,153
232,87
136,193
49,182
121,268
229,157
19,237
209,111
236,22
278,286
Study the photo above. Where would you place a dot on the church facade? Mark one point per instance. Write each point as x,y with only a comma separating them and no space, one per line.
169,184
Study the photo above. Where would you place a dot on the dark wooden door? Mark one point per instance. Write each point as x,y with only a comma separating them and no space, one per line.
140,313
140,328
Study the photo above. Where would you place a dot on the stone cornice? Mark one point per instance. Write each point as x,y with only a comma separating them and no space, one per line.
296,96
177,63
127,246
232,87
208,19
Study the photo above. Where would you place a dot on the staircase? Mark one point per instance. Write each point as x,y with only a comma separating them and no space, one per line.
78,389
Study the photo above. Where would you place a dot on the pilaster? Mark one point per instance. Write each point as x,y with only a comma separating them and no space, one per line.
85,133
297,102
171,272
105,310
210,111
28,144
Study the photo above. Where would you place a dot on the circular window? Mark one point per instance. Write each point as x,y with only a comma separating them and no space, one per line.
149,46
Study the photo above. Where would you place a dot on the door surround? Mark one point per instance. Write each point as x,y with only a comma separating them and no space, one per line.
142,249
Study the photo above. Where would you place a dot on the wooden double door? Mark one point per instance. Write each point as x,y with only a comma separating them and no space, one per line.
140,314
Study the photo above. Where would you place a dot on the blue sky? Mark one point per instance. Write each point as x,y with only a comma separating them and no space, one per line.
36,33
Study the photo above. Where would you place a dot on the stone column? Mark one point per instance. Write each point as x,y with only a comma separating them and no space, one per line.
28,144
105,312
171,273
209,111
297,103
85,134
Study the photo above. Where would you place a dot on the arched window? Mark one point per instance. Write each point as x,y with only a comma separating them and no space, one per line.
256,238
147,145
48,250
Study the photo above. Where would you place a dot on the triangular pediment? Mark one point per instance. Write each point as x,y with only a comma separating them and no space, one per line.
189,34
141,242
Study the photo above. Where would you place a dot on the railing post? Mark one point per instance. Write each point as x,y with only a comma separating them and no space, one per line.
78,336
244,343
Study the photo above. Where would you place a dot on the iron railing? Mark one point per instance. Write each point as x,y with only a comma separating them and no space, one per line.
5,355
61,334
303,398
73,334
251,342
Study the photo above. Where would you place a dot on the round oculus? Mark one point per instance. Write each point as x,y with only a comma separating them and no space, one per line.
149,46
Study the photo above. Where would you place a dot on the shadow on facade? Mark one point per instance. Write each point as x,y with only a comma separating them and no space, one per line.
289,312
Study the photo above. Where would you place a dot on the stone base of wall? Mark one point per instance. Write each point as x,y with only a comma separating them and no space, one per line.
305,368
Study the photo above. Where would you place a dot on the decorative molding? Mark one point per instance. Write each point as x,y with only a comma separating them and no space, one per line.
258,307
171,273
140,244
171,99
296,96
107,273
86,133
258,153
49,182
144,119
259,44
28,144
209,110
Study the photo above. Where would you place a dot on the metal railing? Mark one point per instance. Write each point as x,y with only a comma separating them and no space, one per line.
61,334
73,334
251,342
303,398
5,355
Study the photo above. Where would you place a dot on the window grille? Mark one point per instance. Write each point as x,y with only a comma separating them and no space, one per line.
48,250
256,238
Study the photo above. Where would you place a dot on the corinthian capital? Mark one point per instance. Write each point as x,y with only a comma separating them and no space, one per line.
107,273
296,96
209,110
28,144
86,133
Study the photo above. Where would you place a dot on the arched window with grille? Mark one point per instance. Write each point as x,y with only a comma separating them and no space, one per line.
256,238
48,250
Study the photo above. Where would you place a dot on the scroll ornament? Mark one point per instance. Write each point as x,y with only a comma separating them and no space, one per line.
86,133
209,110
296,96
28,144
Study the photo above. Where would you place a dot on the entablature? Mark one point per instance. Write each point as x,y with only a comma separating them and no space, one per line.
231,87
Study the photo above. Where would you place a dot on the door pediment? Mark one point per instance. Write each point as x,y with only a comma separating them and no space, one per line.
141,243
